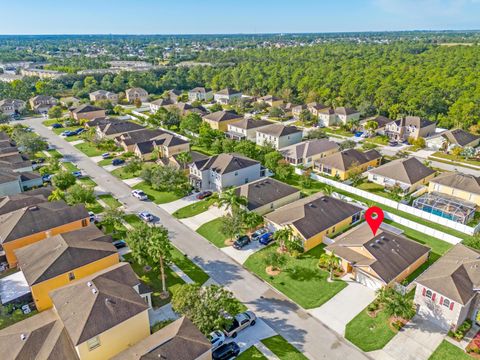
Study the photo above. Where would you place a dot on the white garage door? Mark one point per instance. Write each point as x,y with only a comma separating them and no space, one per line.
368,281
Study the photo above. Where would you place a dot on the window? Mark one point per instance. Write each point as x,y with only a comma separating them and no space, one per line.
93,343
71,276
84,222
236,173
446,303
429,294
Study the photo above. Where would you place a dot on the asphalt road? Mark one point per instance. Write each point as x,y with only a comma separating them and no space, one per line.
306,333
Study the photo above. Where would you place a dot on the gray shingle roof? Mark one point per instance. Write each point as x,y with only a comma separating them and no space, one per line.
408,171
223,115
308,148
225,163
250,123
279,130
344,160
456,180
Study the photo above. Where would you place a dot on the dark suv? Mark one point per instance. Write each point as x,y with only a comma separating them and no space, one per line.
226,351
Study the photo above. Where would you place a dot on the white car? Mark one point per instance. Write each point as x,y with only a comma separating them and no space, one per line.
140,195
146,216
216,338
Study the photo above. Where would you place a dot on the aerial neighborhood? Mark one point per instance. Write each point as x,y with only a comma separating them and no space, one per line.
213,219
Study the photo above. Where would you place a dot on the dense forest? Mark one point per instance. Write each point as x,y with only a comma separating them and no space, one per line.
393,78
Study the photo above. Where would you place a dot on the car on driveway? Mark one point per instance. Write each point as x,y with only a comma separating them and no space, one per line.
77,174
258,233
57,126
241,242
240,322
79,131
119,244
140,195
217,338
146,216
105,155
266,238
47,177
204,195
226,351
93,217
117,162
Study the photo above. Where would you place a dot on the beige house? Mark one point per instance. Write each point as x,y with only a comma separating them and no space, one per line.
297,110
271,100
11,106
408,174
136,93
246,129
307,152
87,111
104,95
410,127
378,260
267,194
128,140
278,135
338,116
42,103
463,186
163,146
226,96
219,120
200,94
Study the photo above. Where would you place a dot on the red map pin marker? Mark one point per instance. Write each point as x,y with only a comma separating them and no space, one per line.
374,217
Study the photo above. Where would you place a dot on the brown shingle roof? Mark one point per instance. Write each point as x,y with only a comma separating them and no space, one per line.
119,127
456,180
250,123
86,108
225,163
460,137
344,160
408,171
223,115
308,148
279,130
228,91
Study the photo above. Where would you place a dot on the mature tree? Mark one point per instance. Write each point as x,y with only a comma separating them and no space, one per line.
63,180
276,112
347,144
208,135
282,236
191,122
231,200
184,158
246,148
251,220
166,178
113,217
56,195
133,166
55,112
317,133
217,146
306,180
275,260
4,118
231,225
151,246
29,142
370,126
228,145
206,306
80,194
271,160
306,116
215,108
284,170
398,305
52,166
330,262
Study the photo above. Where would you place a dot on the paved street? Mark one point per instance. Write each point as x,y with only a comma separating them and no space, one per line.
293,323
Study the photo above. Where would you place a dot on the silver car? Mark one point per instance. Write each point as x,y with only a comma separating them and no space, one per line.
240,322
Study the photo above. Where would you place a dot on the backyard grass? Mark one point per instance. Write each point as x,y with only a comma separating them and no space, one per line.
110,201
188,267
338,131
87,181
133,220
283,349
70,166
211,232
122,174
158,197
369,333
10,319
375,189
447,351
152,280
301,280
89,149
251,353
194,209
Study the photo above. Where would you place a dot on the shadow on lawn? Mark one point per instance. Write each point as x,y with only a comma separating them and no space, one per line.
301,273
222,272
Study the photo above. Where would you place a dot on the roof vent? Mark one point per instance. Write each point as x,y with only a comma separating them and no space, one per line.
23,337
89,284
94,291
33,208
109,301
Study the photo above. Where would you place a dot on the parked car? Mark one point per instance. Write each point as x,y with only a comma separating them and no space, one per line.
105,155
38,161
117,162
393,143
257,234
93,217
240,322
241,242
77,174
226,351
146,216
139,194
266,238
217,338
119,244
204,195
79,131
68,133
47,178
57,126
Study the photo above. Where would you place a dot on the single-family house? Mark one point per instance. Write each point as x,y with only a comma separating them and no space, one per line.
267,194
164,146
447,292
347,162
246,129
459,185
219,120
315,217
14,182
87,111
42,103
69,101
307,152
112,129
410,127
58,260
346,115
270,100
315,107
11,106
9,203
408,174
200,94
179,163
381,121
377,260
185,108
226,96
278,135
34,223
128,140
297,110
224,170
136,93
104,95
174,95
449,139
338,116
179,340
158,104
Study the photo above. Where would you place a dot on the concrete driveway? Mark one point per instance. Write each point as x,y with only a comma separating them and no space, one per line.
416,341
242,255
343,307
253,334
198,220
180,203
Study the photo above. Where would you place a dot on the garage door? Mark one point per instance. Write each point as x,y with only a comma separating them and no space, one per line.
368,281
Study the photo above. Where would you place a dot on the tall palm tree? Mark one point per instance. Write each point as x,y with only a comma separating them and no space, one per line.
282,236
330,262
184,158
251,220
230,200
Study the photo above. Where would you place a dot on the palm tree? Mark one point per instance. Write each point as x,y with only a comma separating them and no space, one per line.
328,190
399,305
282,236
184,158
57,194
329,262
251,220
371,126
230,200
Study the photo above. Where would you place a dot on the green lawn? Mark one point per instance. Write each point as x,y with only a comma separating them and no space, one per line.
153,281
283,349
381,140
133,220
460,160
315,187
87,181
338,131
369,333
55,153
10,319
189,268
447,351
89,149
105,162
95,207
50,122
251,353
69,128
122,174
70,166
119,233
211,232
110,201
194,209
158,197
375,189
301,280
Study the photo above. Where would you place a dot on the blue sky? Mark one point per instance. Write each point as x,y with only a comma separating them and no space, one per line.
226,16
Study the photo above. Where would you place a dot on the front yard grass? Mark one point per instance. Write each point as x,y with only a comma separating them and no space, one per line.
89,149
55,153
70,166
194,209
282,348
158,197
301,279
211,232
105,162
189,268
447,351
110,201
124,175
133,220
251,353
87,181
152,280
455,159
